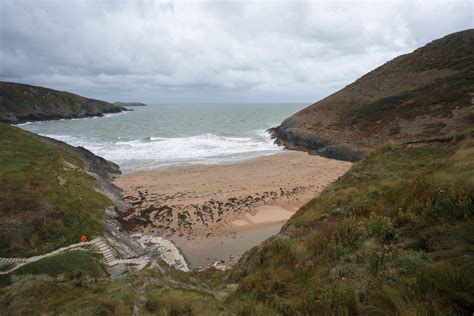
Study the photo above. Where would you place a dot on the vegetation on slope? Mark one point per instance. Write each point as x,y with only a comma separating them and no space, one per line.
392,236
158,290
70,264
20,103
47,200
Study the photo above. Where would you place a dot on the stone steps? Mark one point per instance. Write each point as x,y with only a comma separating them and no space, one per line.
105,250
100,243
13,260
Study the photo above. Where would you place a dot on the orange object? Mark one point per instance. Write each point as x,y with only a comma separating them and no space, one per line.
83,238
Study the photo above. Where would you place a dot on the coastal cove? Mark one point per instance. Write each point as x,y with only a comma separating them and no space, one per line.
213,190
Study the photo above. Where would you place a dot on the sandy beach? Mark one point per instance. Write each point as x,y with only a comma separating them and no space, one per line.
217,212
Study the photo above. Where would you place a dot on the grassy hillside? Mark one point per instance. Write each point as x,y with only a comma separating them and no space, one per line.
46,198
71,263
392,236
427,92
20,103
153,291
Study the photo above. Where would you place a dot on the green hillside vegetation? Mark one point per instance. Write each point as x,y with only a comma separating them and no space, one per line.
149,291
393,236
46,198
21,102
69,264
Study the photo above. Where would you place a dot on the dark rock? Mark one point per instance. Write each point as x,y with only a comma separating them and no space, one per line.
300,139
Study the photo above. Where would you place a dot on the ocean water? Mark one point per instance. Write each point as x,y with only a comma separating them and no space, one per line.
158,136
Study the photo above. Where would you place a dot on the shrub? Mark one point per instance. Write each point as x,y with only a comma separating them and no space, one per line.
379,259
448,204
347,236
380,227
336,298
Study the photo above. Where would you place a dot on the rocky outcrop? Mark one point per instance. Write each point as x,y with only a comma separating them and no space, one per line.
428,92
24,103
301,139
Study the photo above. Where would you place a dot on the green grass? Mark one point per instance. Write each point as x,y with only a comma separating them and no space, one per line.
5,267
36,297
376,241
150,292
182,302
68,263
39,214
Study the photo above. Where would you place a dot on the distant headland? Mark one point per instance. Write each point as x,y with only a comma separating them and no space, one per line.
21,103
130,104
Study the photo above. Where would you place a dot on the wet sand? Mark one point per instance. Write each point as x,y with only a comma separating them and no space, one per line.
203,252
217,212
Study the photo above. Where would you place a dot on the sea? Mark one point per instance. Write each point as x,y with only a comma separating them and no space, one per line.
163,135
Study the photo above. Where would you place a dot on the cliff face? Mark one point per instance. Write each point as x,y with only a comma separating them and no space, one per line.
20,103
427,92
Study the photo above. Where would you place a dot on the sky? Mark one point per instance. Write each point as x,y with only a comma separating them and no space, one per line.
213,51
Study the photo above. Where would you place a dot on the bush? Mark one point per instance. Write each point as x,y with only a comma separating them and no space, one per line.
347,236
380,227
325,298
445,204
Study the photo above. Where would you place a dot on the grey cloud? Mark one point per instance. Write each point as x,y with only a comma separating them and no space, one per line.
212,51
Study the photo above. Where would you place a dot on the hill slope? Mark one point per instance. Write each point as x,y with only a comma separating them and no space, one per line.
394,236
48,193
20,103
427,92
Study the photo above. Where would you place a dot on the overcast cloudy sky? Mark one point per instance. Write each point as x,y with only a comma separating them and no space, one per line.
213,51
